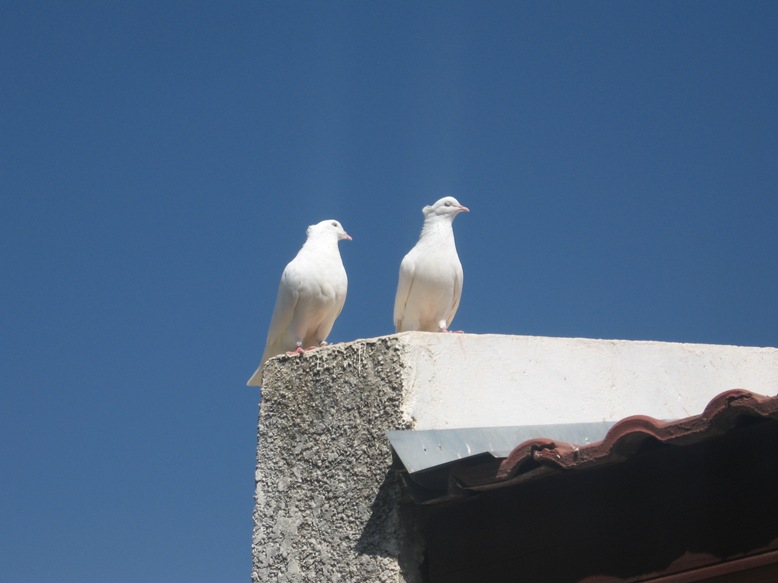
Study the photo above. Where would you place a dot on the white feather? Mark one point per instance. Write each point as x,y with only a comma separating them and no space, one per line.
430,282
310,297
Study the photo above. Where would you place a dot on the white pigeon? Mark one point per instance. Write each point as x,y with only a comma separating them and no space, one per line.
430,284
310,296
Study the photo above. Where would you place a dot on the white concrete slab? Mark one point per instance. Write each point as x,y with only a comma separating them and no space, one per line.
473,380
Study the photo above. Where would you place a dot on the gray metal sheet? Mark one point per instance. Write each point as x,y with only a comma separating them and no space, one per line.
423,449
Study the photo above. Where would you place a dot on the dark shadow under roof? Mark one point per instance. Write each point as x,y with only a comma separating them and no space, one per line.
681,501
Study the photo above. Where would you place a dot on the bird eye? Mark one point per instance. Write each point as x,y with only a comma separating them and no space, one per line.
448,203
334,223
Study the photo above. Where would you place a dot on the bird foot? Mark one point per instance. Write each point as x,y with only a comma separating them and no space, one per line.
447,331
298,350
322,343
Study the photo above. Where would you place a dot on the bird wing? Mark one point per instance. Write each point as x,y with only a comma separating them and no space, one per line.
283,312
404,286
458,281
328,319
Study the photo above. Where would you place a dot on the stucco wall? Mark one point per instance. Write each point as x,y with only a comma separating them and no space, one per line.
327,505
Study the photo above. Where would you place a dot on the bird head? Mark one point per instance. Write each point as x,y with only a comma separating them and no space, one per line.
329,226
447,206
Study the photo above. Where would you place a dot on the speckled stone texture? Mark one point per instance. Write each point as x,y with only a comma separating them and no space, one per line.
328,505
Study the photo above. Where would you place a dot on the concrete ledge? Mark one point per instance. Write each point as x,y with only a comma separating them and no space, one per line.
327,505
468,380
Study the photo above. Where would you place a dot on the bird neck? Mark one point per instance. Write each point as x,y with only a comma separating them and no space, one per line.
321,245
437,228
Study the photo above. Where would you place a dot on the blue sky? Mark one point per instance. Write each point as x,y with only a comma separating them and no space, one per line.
160,162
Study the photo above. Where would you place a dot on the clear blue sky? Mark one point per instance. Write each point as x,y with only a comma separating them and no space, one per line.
160,161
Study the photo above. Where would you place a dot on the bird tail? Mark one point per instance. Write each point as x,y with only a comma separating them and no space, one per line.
256,378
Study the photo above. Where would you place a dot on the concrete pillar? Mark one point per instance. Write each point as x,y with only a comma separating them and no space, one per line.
327,504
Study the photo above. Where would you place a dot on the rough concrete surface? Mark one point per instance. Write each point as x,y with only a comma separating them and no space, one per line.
327,506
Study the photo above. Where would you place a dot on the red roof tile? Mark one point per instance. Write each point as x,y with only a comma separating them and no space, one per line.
541,456
725,412
681,501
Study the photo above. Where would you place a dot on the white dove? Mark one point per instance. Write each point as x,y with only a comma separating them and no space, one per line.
310,296
430,285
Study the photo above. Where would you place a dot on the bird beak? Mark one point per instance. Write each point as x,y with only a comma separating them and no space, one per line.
463,209
346,236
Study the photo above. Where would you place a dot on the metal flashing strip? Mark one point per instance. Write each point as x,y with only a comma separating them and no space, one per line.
427,448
